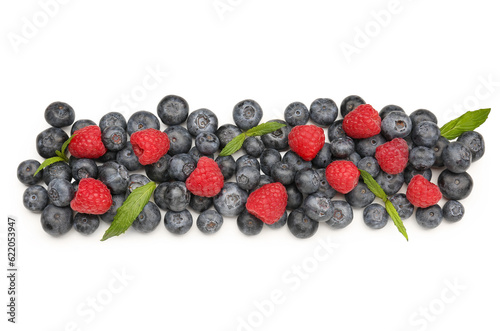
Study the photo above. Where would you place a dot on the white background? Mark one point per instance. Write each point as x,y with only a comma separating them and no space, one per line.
91,54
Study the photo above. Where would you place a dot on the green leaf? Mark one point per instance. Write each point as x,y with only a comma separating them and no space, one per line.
264,128
128,212
467,122
48,162
395,218
373,185
62,156
234,145
66,143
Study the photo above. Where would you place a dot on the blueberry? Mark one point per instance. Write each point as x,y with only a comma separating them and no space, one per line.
453,211
422,115
231,200
81,124
158,171
425,133
318,207
181,166
336,131
178,222
61,192
136,181
202,120
342,214
429,217
307,181
283,173
375,216
295,161
249,224
106,157
367,146
300,225
207,143
268,158
409,142
172,196
402,205
350,103
457,157
324,187
323,158
341,148
159,195
247,177
226,133
85,223
264,180
295,197
253,146
35,198
360,196
112,119
57,170
396,125
247,161
56,221
323,111
26,170
280,223
277,139
115,176
354,158
390,183
118,200
438,151
148,219
370,165
411,172
455,186
127,158
296,113
227,165
114,138
49,141
200,204
83,168
209,221
59,114
141,120
172,110
247,114
388,109
422,158
196,154
475,142
180,139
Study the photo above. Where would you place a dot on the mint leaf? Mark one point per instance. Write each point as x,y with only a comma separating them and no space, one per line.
467,122
48,162
66,143
264,128
128,212
62,156
234,145
395,218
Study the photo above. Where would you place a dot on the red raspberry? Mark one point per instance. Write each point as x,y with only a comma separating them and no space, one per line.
268,203
306,140
342,175
149,145
206,180
422,193
362,122
393,156
87,143
92,197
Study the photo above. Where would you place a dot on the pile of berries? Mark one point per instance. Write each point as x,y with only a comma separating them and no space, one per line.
290,176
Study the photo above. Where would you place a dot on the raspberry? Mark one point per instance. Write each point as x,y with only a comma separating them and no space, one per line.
206,180
393,156
268,203
306,140
422,193
362,122
342,175
92,197
87,143
149,145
